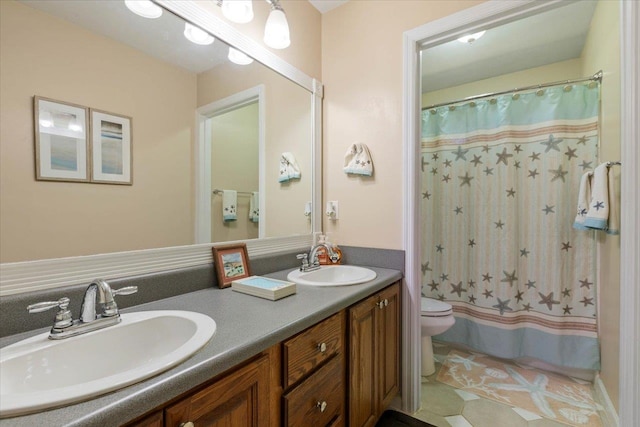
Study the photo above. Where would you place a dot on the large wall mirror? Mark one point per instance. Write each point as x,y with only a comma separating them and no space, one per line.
204,128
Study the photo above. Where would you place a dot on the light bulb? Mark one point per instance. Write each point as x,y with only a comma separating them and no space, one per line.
238,57
276,31
45,119
196,35
74,125
471,37
240,11
144,8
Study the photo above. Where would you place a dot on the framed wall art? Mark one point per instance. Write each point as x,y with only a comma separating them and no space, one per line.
231,263
111,148
61,140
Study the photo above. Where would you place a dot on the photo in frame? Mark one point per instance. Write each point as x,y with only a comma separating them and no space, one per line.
111,148
61,140
231,262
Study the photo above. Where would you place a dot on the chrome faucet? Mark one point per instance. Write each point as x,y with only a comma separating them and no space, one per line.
310,262
98,292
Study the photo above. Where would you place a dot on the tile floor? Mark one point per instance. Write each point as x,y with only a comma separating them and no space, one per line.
446,406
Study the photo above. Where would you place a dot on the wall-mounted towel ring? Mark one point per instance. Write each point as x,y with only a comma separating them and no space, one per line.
357,160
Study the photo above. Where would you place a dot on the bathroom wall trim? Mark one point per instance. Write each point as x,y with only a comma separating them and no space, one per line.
29,276
492,13
610,418
629,394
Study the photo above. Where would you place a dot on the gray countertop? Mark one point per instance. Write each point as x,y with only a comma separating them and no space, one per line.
246,325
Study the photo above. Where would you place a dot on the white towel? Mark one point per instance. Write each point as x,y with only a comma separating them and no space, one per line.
357,160
599,216
614,211
229,203
254,207
289,168
584,198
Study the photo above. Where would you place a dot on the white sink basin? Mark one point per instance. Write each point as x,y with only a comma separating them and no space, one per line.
38,373
333,275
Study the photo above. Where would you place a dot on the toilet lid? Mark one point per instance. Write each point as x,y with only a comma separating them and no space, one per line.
434,307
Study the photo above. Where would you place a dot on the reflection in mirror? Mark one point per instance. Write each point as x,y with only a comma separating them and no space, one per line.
100,55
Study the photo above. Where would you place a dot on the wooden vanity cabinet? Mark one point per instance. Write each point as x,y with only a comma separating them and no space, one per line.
374,355
342,369
314,375
241,398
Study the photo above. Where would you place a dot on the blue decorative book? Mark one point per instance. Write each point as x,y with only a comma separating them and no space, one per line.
264,287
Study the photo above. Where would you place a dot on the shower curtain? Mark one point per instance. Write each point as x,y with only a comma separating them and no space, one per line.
500,180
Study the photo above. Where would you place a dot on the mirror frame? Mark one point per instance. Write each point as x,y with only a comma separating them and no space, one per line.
29,276
448,28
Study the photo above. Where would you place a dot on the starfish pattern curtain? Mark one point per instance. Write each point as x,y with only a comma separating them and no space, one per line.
500,181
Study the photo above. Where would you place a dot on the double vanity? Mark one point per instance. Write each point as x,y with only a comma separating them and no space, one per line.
322,356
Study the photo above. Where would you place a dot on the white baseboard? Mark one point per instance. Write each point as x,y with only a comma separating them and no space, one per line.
610,415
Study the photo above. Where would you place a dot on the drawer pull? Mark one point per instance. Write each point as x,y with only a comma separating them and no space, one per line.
322,405
322,347
187,424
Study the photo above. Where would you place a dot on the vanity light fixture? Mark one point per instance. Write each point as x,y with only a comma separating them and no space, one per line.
238,57
471,37
74,125
276,30
239,11
196,35
45,119
144,8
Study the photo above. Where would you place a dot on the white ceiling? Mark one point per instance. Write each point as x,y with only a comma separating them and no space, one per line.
553,36
325,6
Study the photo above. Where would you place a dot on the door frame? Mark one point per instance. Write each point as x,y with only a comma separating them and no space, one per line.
203,157
497,12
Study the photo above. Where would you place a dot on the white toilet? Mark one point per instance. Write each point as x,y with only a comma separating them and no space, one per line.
436,317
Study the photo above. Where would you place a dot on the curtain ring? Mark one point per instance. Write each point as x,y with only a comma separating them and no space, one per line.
432,111
493,101
592,85
452,107
567,88
472,104
515,96
540,92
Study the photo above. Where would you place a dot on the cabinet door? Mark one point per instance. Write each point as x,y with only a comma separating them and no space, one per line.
362,363
389,345
238,399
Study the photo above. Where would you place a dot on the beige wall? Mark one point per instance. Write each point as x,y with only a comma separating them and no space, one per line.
362,73
234,166
287,128
45,56
602,52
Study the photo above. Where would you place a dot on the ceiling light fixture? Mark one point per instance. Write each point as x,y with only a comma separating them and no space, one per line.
196,35
238,57
471,37
144,8
239,11
276,30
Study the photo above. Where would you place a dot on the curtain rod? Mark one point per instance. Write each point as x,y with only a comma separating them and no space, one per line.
248,193
597,77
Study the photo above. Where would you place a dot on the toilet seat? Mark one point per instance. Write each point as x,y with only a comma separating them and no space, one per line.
433,308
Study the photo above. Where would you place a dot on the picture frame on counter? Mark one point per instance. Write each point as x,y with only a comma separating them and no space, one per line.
61,140
231,262
111,148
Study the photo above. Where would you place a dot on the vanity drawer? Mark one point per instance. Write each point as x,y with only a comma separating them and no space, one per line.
318,400
312,347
